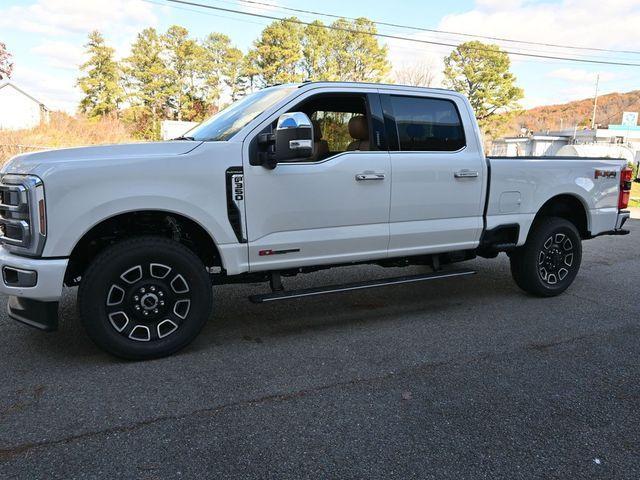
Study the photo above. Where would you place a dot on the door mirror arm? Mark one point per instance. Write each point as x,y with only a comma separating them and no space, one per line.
292,140
266,155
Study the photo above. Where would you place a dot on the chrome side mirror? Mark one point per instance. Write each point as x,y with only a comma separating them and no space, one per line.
293,137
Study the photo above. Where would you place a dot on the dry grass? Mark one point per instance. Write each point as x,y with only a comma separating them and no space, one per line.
635,195
63,131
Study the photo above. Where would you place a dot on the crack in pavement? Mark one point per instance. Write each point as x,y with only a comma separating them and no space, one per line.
7,454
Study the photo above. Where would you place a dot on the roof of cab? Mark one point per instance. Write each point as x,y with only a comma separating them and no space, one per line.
386,86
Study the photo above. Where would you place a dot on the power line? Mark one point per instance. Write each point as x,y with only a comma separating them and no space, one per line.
444,49
441,49
439,35
209,14
395,37
421,29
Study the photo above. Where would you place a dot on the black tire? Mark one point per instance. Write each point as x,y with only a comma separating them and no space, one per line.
145,298
549,261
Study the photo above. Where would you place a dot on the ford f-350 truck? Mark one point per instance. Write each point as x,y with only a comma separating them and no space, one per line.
288,180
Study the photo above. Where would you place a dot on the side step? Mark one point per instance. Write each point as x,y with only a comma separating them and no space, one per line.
346,287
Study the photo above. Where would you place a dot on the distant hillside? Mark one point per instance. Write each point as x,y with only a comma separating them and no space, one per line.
550,117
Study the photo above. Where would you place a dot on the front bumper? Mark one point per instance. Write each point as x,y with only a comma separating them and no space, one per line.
34,291
49,276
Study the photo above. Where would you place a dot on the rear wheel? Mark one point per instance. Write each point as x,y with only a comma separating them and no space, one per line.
549,262
144,298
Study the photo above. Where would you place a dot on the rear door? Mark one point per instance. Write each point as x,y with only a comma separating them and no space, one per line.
437,174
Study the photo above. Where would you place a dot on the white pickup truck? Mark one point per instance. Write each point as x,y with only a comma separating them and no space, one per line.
288,180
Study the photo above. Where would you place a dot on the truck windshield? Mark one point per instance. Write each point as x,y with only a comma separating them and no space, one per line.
224,124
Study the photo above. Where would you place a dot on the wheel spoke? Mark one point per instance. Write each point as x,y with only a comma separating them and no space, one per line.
179,284
548,243
119,320
562,273
157,270
543,273
115,295
181,308
132,275
568,260
541,258
166,327
140,333
559,237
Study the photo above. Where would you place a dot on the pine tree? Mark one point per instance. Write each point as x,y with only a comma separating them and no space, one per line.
101,82
250,71
481,72
286,52
357,56
223,67
235,79
148,82
278,53
187,64
317,48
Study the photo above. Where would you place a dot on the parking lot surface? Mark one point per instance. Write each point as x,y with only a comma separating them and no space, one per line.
459,378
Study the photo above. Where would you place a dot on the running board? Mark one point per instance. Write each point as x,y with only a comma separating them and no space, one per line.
347,287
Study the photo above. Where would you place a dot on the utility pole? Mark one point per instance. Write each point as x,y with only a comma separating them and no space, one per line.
595,104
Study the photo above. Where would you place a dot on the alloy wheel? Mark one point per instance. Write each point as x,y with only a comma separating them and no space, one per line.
556,258
148,302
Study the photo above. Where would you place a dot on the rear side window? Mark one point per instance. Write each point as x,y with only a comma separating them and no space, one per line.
427,124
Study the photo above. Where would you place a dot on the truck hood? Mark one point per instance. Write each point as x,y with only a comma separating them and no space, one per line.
27,162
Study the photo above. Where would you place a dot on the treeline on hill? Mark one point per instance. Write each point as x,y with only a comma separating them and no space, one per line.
577,113
172,75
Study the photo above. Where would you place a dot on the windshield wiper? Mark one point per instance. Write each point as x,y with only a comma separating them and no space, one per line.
184,138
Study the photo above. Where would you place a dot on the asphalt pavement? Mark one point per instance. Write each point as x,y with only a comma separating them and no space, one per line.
459,378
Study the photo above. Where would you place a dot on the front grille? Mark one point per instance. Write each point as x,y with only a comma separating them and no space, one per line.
14,215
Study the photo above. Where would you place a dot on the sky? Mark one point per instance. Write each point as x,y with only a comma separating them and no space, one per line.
46,37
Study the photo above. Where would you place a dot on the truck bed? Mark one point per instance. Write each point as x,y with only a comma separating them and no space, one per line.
518,187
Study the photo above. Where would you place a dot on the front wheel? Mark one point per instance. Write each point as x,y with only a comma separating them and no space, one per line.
550,259
145,298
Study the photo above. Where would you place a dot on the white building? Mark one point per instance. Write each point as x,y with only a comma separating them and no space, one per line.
528,145
550,142
19,110
170,129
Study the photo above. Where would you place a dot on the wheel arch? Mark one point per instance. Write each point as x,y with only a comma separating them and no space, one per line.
120,226
568,206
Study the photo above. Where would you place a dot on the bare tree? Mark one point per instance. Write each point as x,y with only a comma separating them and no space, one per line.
6,66
421,74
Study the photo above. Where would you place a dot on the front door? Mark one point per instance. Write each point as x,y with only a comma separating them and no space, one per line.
332,208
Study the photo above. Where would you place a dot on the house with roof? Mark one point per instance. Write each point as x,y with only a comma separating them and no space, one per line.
19,110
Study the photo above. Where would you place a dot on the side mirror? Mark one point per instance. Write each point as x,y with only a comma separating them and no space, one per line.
293,137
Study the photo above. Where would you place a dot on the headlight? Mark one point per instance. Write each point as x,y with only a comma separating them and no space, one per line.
23,216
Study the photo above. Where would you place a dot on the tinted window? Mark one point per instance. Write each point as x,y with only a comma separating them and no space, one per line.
427,124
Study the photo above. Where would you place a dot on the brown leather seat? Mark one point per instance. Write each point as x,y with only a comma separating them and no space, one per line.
359,130
320,146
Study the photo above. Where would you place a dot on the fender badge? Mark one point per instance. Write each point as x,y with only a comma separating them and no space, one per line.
605,174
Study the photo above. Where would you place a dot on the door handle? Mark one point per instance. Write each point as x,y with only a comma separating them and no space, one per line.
369,176
464,173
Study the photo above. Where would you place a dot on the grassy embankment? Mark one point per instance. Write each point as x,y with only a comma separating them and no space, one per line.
635,195
62,131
